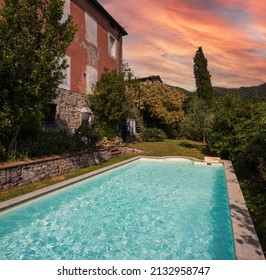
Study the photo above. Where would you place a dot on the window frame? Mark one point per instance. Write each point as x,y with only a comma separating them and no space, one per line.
91,35
50,114
112,46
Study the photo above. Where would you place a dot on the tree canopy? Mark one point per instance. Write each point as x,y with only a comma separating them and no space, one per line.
204,88
197,121
33,42
229,112
161,105
238,133
113,98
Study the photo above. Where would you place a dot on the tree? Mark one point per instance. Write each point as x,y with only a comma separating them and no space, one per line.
239,133
230,110
113,99
204,88
161,105
33,41
197,121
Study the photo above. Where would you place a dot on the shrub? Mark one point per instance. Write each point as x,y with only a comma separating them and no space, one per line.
153,135
89,133
46,144
107,131
198,120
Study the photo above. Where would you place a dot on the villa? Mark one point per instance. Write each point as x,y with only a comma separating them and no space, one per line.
97,44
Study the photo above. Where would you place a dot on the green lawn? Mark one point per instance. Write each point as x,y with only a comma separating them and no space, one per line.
167,148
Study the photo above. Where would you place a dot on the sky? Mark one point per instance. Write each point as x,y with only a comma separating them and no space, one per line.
164,35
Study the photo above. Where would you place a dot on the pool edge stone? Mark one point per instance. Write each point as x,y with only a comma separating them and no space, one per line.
247,245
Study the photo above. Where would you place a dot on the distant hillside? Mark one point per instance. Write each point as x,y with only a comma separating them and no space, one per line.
157,79
246,92
181,89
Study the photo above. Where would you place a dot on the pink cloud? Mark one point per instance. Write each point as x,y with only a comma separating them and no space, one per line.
164,36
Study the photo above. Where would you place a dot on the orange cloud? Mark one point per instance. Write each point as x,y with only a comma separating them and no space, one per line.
164,36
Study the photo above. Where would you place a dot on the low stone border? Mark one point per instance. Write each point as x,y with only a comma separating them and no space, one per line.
35,171
247,245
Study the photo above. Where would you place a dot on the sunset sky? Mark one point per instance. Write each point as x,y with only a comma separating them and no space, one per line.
163,36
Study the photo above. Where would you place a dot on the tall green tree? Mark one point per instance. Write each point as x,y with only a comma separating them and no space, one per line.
230,111
113,99
204,88
197,121
33,41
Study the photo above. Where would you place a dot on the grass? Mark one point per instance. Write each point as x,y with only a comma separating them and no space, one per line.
167,148
170,147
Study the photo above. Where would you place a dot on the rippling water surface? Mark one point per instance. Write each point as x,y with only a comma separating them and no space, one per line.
143,210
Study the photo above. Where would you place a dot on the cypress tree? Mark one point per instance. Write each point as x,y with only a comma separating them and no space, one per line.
204,88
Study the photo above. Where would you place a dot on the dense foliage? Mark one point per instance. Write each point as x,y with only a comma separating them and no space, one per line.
203,78
161,106
33,41
230,111
197,121
112,100
153,135
238,133
257,92
44,144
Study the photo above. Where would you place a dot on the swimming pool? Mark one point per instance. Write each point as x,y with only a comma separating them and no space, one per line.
147,209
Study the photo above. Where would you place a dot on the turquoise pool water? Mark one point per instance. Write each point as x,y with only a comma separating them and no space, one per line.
142,210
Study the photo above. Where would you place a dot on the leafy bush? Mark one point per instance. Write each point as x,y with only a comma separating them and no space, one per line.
112,100
198,120
30,78
107,131
153,135
89,133
161,105
46,144
2,152
239,134
230,112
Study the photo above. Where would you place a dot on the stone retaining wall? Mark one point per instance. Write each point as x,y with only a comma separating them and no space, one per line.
36,171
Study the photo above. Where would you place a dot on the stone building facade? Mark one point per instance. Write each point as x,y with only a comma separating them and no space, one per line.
97,45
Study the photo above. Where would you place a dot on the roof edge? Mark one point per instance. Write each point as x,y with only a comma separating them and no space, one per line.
104,11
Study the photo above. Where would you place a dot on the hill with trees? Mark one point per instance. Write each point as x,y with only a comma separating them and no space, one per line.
246,92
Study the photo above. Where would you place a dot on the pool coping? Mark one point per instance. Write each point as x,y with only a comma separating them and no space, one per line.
246,242
247,245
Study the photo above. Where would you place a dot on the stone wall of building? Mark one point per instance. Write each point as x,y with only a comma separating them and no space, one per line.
69,105
38,170
68,112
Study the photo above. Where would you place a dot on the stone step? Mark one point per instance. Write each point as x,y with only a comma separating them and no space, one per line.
115,151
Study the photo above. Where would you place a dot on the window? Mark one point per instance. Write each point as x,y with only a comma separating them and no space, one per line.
66,82
91,30
50,115
112,46
91,78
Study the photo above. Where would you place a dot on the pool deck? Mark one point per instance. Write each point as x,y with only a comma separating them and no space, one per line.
247,245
